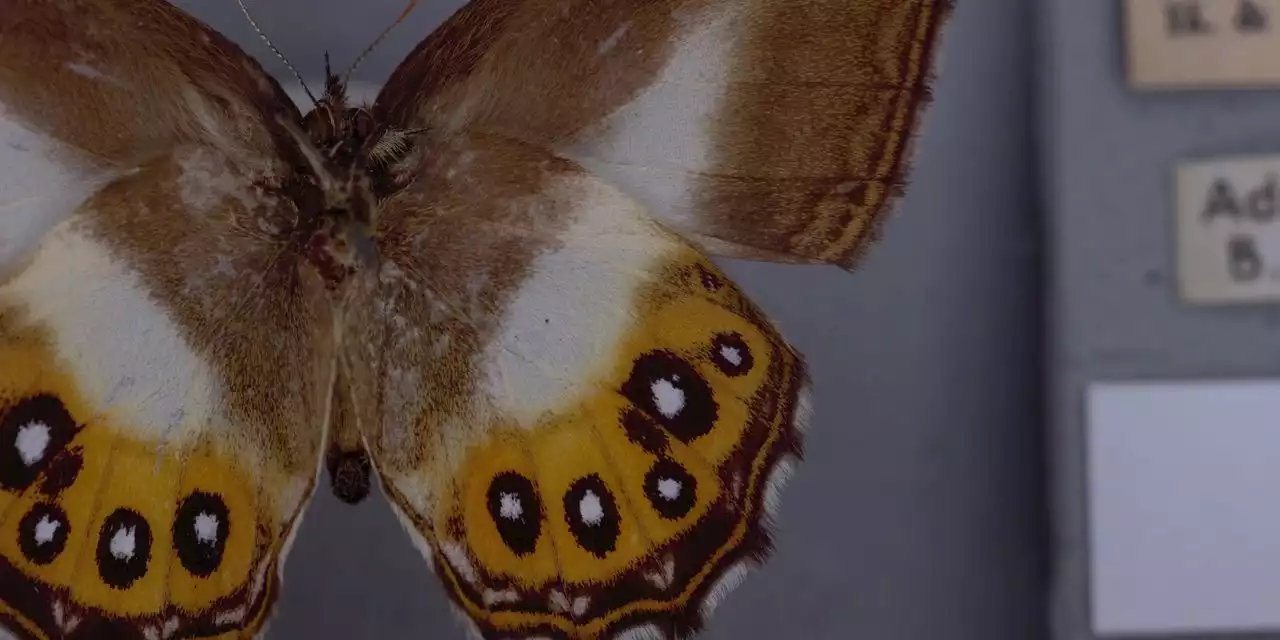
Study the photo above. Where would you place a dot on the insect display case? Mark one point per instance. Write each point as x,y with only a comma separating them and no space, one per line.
555,292
1160,154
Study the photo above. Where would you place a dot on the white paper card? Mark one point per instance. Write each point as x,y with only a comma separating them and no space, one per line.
1184,506
1228,236
1194,44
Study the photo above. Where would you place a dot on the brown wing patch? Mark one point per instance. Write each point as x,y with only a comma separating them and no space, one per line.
814,139
121,80
476,69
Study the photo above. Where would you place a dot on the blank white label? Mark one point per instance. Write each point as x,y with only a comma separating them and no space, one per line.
1184,506
1191,44
1228,230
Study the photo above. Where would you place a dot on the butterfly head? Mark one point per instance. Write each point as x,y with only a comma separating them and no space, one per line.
342,132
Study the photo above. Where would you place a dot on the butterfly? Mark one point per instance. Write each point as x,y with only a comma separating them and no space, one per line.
489,292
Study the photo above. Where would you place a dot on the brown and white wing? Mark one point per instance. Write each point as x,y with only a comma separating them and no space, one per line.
164,365
91,89
766,129
580,420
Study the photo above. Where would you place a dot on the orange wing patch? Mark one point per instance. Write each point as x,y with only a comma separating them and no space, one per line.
628,509
103,530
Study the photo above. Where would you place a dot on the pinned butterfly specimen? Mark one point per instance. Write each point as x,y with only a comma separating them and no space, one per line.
489,292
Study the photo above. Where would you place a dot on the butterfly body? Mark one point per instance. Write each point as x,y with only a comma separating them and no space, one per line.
487,292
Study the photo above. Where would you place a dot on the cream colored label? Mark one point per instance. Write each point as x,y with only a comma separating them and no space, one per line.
1202,43
1228,220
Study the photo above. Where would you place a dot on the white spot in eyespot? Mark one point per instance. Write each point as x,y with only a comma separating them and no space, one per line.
731,355
511,508
667,397
46,529
669,488
32,440
206,528
590,509
122,543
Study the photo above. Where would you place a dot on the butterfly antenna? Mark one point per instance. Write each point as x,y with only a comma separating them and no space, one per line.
254,24
360,58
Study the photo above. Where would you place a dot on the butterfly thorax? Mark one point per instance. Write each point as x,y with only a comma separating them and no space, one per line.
350,158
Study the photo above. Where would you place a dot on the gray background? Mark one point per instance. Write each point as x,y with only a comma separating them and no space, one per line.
917,515
1108,155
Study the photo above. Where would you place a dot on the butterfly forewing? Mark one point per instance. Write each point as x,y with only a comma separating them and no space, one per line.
90,88
766,129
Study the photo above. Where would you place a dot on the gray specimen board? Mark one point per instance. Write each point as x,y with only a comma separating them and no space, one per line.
1108,156
917,513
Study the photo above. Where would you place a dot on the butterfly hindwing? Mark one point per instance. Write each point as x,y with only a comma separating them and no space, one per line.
581,420
766,129
164,366
143,400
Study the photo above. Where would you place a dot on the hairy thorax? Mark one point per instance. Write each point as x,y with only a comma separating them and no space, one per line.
350,168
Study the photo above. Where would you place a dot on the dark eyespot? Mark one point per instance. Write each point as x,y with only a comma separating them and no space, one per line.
42,533
730,353
32,433
673,393
200,530
671,490
592,515
124,548
517,511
